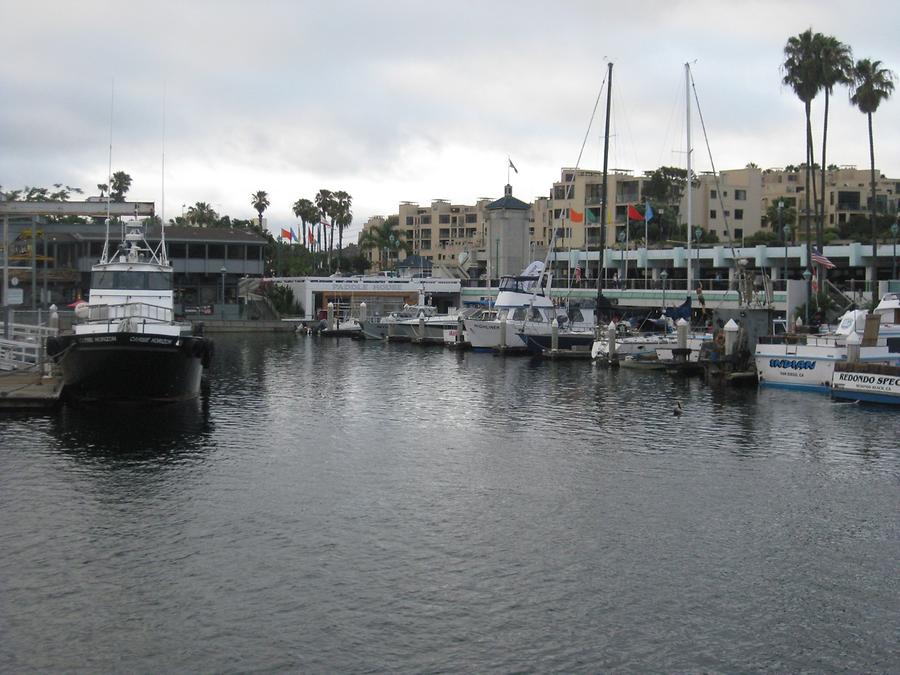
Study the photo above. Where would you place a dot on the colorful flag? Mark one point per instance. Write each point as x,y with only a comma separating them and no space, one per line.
821,259
575,216
293,235
633,213
648,211
312,239
591,216
512,166
285,234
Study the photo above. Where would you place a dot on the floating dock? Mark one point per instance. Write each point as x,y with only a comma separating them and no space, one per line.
21,390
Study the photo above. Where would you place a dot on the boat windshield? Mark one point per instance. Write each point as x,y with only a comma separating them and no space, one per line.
518,284
131,280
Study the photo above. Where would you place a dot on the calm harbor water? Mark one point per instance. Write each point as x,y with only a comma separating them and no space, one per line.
340,506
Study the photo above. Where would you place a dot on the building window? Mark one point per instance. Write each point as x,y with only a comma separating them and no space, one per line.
410,221
727,213
740,195
724,193
739,214
713,194
444,233
426,220
712,214
738,233
444,219
425,244
471,218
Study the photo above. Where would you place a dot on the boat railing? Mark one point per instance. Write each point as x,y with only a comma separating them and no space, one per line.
140,311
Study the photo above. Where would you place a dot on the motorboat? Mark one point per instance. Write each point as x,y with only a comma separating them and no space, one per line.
349,327
807,361
391,326
125,344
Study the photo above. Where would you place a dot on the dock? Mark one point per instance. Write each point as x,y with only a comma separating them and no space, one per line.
21,390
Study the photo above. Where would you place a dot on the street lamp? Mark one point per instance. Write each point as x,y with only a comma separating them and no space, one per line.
223,270
664,275
894,229
807,275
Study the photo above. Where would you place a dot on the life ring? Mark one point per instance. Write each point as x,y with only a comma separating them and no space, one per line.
720,340
622,327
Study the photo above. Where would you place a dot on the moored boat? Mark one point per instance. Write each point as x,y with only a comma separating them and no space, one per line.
125,344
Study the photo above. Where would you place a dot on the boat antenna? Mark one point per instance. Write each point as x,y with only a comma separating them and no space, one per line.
163,257
104,258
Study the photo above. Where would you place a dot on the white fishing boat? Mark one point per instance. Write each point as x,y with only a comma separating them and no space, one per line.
807,362
125,344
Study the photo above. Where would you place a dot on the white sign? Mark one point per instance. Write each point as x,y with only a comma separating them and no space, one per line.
15,296
865,382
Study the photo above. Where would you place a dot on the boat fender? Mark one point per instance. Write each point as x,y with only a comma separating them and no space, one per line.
622,327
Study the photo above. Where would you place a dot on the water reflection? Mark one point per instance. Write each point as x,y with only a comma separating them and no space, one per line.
135,432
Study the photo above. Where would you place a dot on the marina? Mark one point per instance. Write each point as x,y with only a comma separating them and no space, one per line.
293,381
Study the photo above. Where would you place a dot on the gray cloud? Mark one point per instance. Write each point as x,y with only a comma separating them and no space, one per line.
406,100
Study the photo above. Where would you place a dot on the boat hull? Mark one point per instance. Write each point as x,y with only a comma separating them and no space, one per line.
131,367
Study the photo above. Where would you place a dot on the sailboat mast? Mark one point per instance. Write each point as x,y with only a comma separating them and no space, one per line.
688,182
601,268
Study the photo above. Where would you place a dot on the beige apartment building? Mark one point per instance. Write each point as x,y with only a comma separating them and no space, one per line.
732,205
847,192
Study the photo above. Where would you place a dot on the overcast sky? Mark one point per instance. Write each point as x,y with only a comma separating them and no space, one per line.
409,101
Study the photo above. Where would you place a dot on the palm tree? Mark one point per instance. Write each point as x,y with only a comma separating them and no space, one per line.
307,212
835,67
326,205
801,73
342,218
874,84
121,183
201,214
385,238
259,200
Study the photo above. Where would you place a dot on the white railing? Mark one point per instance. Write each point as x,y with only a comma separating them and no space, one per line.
131,310
21,353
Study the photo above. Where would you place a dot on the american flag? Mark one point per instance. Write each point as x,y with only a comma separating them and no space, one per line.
822,260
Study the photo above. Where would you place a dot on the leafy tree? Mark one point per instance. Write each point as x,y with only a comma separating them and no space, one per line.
121,184
775,221
259,200
385,238
664,190
872,85
202,214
